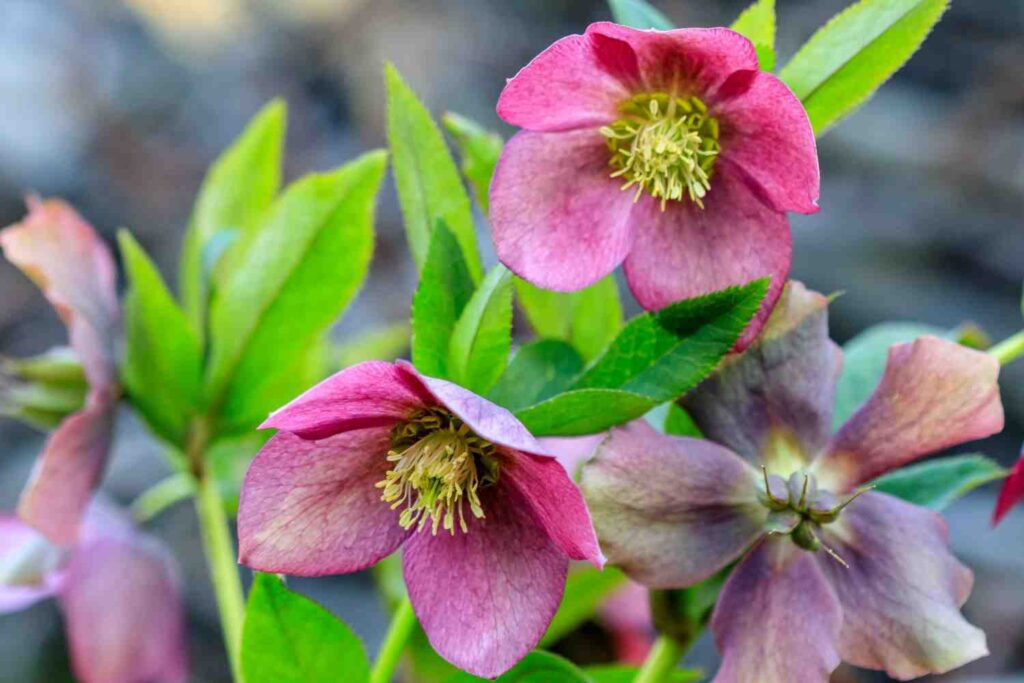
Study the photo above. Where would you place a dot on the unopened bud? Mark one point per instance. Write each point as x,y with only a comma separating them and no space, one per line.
42,390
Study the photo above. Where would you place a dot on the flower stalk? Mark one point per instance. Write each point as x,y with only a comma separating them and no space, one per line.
662,659
1009,350
402,624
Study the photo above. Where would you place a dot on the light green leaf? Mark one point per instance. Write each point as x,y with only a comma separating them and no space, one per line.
537,371
536,667
480,149
428,182
843,64
620,673
757,23
482,338
549,313
386,342
304,267
287,637
162,369
235,195
583,411
936,484
638,14
445,288
585,590
679,423
589,318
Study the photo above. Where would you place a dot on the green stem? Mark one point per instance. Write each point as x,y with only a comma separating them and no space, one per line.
661,660
402,624
163,495
1009,349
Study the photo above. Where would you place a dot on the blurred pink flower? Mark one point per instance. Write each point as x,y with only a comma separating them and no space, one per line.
668,151
379,457
873,584
1012,491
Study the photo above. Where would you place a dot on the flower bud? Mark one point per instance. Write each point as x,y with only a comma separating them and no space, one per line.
44,389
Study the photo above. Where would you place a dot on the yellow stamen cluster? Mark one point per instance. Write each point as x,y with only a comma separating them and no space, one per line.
439,466
664,145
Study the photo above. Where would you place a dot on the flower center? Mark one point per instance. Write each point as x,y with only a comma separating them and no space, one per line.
438,467
664,145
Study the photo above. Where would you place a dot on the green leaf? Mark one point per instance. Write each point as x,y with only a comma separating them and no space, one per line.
638,14
936,484
445,288
864,359
549,313
589,318
480,343
537,371
428,182
679,423
536,667
585,590
235,196
480,149
386,342
162,369
288,637
583,411
304,267
620,673
757,23
842,64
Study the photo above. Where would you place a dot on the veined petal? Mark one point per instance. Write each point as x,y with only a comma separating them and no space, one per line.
1012,491
773,404
311,508
902,591
558,218
777,619
28,566
572,451
671,511
486,597
934,394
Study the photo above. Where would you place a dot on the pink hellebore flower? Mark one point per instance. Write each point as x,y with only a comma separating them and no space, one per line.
826,571
1012,491
667,150
379,456
117,588
68,261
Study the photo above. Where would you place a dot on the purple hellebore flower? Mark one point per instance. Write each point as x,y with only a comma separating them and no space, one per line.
825,574
118,590
68,261
669,151
379,456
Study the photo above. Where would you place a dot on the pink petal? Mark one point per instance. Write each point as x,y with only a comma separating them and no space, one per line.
902,592
556,503
572,451
781,389
578,82
671,511
558,218
686,251
777,619
68,261
68,471
28,566
310,508
485,598
934,394
123,613
1012,491
765,132
370,394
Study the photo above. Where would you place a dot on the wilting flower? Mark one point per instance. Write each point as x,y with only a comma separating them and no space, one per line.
667,150
118,590
1012,491
829,571
379,456
63,255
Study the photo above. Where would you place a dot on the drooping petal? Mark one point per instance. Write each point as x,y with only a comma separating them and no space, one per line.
902,591
370,394
766,133
934,394
28,566
558,218
123,613
1012,491
486,597
68,261
777,619
685,251
781,391
572,451
311,508
671,511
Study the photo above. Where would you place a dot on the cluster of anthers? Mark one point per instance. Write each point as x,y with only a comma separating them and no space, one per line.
665,145
438,468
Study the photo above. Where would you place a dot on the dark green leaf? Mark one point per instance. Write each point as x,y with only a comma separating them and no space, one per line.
583,411
536,667
288,637
620,673
757,23
585,590
480,343
638,14
936,484
538,371
480,149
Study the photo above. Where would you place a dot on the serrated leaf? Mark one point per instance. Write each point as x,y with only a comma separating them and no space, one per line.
583,411
621,673
480,149
589,318
235,195
536,667
537,371
482,338
585,589
843,64
162,368
428,182
288,637
936,484
757,23
302,270
445,288
638,14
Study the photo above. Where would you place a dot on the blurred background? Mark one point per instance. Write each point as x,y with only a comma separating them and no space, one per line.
120,105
